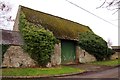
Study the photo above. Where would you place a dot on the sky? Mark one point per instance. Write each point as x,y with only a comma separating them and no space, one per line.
62,8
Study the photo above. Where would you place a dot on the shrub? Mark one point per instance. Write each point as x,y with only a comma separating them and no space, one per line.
39,43
109,53
95,45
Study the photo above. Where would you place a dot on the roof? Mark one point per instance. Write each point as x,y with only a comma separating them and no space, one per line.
11,37
115,47
61,28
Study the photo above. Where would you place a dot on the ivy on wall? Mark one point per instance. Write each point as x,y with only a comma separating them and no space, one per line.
4,49
95,45
39,43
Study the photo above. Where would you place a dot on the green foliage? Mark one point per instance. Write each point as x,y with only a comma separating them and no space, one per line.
107,62
39,43
109,53
40,71
61,28
4,49
95,45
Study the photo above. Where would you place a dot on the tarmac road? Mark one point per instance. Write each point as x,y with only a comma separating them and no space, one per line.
110,73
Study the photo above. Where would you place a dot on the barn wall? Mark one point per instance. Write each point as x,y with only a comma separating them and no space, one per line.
78,51
83,57
115,56
16,24
16,57
56,57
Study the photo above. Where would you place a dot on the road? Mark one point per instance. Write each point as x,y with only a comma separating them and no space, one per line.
111,73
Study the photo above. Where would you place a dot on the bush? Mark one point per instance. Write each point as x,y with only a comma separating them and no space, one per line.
39,43
95,45
109,53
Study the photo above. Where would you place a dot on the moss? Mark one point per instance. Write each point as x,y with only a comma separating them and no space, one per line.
61,28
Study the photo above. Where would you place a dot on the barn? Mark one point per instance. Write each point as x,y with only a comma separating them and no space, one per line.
67,50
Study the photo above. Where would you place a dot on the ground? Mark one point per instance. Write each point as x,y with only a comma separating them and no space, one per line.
110,73
93,70
91,67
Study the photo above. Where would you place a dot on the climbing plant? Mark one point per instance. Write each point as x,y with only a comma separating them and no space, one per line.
39,43
95,45
4,48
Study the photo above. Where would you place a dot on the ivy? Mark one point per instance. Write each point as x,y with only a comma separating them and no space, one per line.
39,43
4,49
95,45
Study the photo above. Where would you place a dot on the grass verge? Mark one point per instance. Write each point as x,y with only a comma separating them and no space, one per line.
115,62
39,71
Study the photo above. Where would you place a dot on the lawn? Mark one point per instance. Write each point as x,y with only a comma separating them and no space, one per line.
39,71
108,63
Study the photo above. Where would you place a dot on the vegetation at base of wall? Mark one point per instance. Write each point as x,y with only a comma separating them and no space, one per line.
39,71
39,43
109,53
4,49
95,45
115,62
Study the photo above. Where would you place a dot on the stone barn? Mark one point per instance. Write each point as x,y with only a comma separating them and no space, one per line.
67,50
14,55
117,52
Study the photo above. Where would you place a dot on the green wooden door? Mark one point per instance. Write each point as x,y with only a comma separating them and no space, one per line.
67,51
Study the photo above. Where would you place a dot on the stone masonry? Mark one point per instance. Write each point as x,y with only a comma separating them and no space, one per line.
56,57
115,56
16,57
83,56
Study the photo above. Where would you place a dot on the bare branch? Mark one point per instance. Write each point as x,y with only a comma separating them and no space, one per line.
111,5
5,18
101,4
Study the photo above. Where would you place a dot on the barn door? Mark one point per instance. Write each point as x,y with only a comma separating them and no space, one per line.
67,51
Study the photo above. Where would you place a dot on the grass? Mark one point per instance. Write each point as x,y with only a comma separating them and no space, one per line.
108,63
39,71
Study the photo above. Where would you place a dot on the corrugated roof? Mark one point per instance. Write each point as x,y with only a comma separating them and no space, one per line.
61,28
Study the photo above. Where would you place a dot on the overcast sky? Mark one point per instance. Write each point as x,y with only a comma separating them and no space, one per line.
64,9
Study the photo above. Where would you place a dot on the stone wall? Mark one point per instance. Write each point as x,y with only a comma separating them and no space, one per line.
115,56
56,57
16,57
83,56
16,24
78,51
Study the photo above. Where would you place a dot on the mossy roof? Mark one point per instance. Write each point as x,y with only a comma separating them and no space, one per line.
61,28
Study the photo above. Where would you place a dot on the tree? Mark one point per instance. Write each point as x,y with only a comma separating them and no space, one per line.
5,18
113,5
